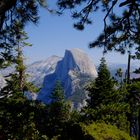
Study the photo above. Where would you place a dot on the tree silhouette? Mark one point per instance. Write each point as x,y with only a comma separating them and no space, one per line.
11,13
121,31
59,110
17,82
106,103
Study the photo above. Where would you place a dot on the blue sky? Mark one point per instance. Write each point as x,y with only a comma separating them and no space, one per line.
54,34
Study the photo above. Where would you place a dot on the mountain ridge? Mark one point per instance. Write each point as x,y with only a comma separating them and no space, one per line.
75,68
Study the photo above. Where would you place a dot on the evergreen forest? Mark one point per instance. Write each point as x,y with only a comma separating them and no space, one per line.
112,110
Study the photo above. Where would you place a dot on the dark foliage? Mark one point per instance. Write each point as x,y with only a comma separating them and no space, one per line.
74,132
107,101
15,13
16,83
133,99
59,111
121,30
20,119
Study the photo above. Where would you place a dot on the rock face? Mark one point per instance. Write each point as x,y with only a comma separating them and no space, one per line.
38,70
2,82
73,71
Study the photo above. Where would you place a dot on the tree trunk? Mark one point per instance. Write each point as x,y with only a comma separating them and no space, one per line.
128,69
139,125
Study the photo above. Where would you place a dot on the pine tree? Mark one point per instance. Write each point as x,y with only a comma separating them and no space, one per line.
59,107
133,99
106,102
102,87
59,112
121,31
136,91
17,82
11,12
57,94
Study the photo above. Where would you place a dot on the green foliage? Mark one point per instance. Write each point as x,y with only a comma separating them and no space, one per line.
12,88
23,119
75,116
14,15
133,99
121,30
57,94
17,81
102,131
20,119
103,86
59,111
93,131
106,101
101,91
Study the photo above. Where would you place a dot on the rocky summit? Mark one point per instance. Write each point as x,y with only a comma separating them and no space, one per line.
38,70
2,82
74,71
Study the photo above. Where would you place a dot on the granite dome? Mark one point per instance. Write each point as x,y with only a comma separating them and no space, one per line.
73,71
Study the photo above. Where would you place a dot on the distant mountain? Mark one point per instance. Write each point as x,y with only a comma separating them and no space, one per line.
113,69
73,71
38,70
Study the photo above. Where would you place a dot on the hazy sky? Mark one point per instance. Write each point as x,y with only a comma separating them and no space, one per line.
54,34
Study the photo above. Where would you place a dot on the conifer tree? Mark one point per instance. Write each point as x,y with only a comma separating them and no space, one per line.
121,30
57,94
59,107
17,82
103,86
59,112
11,12
105,102
133,99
